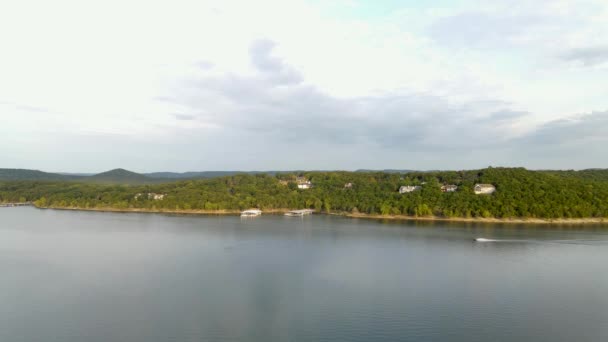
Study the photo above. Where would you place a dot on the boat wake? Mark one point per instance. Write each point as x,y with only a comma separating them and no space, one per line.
568,242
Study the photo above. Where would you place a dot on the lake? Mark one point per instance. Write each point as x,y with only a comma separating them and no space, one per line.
70,276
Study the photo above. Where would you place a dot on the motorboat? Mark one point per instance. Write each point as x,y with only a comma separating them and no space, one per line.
483,240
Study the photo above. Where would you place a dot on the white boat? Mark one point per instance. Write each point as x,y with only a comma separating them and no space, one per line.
483,240
251,213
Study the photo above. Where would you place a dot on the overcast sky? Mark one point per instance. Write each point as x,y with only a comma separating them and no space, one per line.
281,84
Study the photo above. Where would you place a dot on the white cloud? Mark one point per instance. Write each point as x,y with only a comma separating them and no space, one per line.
238,74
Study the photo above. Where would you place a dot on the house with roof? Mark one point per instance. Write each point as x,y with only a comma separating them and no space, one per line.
484,189
303,183
408,188
151,196
449,188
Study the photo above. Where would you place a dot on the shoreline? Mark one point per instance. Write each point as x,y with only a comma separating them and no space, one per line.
234,212
574,221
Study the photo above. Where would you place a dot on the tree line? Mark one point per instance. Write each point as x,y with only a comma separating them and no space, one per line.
520,193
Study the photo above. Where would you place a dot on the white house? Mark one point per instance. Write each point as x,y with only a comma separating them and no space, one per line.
408,188
156,197
484,189
152,196
449,188
303,183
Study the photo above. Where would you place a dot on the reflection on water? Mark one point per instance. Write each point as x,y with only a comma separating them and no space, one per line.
86,276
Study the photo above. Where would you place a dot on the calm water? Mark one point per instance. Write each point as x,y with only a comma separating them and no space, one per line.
81,276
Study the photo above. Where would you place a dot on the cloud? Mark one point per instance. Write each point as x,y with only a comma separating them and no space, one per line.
184,117
587,56
260,56
483,29
505,116
532,26
578,142
205,65
590,127
288,110
425,86
26,107
272,67
425,126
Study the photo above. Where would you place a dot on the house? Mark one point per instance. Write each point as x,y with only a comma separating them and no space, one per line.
348,186
449,188
151,195
484,189
303,183
156,197
408,188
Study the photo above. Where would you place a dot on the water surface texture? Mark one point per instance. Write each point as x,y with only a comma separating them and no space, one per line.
70,276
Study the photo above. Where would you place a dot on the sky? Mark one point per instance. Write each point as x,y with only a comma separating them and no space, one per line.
87,86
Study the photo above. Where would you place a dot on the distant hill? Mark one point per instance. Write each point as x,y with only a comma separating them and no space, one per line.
119,176
75,174
191,175
24,174
112,176
203,174
387,171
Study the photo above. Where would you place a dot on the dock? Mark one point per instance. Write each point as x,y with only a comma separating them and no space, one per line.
9,205
301,212
251,213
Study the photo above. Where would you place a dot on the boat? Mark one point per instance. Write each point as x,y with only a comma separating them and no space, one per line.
251,213
482,240
299,213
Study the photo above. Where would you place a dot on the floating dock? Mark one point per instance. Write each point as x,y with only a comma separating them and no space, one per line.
299,213
8,205
251,213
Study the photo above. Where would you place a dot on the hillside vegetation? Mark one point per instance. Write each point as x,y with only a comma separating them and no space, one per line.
118,176
590,174
24,174
520,193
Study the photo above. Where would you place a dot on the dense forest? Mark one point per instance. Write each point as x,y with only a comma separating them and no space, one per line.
520,193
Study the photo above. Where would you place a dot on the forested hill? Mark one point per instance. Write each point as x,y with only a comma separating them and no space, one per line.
519,193
201,174
119,176
590,174
24,174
